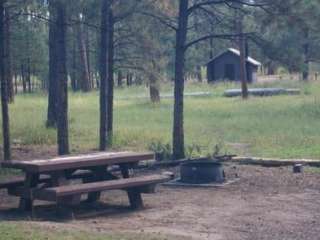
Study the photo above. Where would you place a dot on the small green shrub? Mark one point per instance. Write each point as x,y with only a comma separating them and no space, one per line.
217,150
193,151
162,151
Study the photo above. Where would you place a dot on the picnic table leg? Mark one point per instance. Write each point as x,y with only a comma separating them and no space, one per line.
31,181
99,174
135,198
60,179
134,194
63,204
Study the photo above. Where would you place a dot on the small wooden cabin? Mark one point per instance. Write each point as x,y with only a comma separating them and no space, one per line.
226,66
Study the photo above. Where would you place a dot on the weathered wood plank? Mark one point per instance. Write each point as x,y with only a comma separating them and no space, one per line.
19,181
53,194
78,162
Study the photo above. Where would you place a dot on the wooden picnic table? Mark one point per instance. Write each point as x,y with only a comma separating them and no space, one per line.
55,174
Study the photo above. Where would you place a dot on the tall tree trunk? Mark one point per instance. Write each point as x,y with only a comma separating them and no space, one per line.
243,60
15,83
110,84
23,79
62,77
198,73
181,37
29,75
87,40
198,67
210,55
271,68
104,73
243,69
97,77
4,88
129,79
85,78
120,78
53,85
306,48
211,43
246,54
28,61
153,84
8,66
154,89
73,72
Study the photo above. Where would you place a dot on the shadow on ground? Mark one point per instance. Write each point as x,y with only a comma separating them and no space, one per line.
51,213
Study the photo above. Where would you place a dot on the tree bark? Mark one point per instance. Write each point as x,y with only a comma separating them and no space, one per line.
110,83
29,75
4,88
8,66
198,73
181,37
85,78
104,73
52,88
198,67
306,47
120,78
23,79
153,84
246,54
15,83
211,44
243,69
73,72
62,77
90,72
129,79
154,90
243,60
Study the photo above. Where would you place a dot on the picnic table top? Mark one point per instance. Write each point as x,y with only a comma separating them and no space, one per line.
78,161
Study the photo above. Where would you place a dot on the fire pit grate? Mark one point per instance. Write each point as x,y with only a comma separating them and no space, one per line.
201,173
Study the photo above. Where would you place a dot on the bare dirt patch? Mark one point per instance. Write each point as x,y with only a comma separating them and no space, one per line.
267,203
21,152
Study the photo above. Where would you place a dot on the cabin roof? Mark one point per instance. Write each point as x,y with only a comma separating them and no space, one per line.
237,53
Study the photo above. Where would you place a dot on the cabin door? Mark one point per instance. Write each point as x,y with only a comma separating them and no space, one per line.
229,72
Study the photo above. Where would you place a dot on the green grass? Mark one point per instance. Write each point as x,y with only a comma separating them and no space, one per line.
281,126
21,231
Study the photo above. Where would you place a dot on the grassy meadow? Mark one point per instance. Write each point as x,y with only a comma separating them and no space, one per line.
281,126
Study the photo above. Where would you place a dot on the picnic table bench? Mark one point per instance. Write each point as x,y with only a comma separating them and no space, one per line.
53,179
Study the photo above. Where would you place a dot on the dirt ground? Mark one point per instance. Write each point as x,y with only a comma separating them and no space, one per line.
266,203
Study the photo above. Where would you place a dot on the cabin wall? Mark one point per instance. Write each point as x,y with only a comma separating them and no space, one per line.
216,70
220,63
